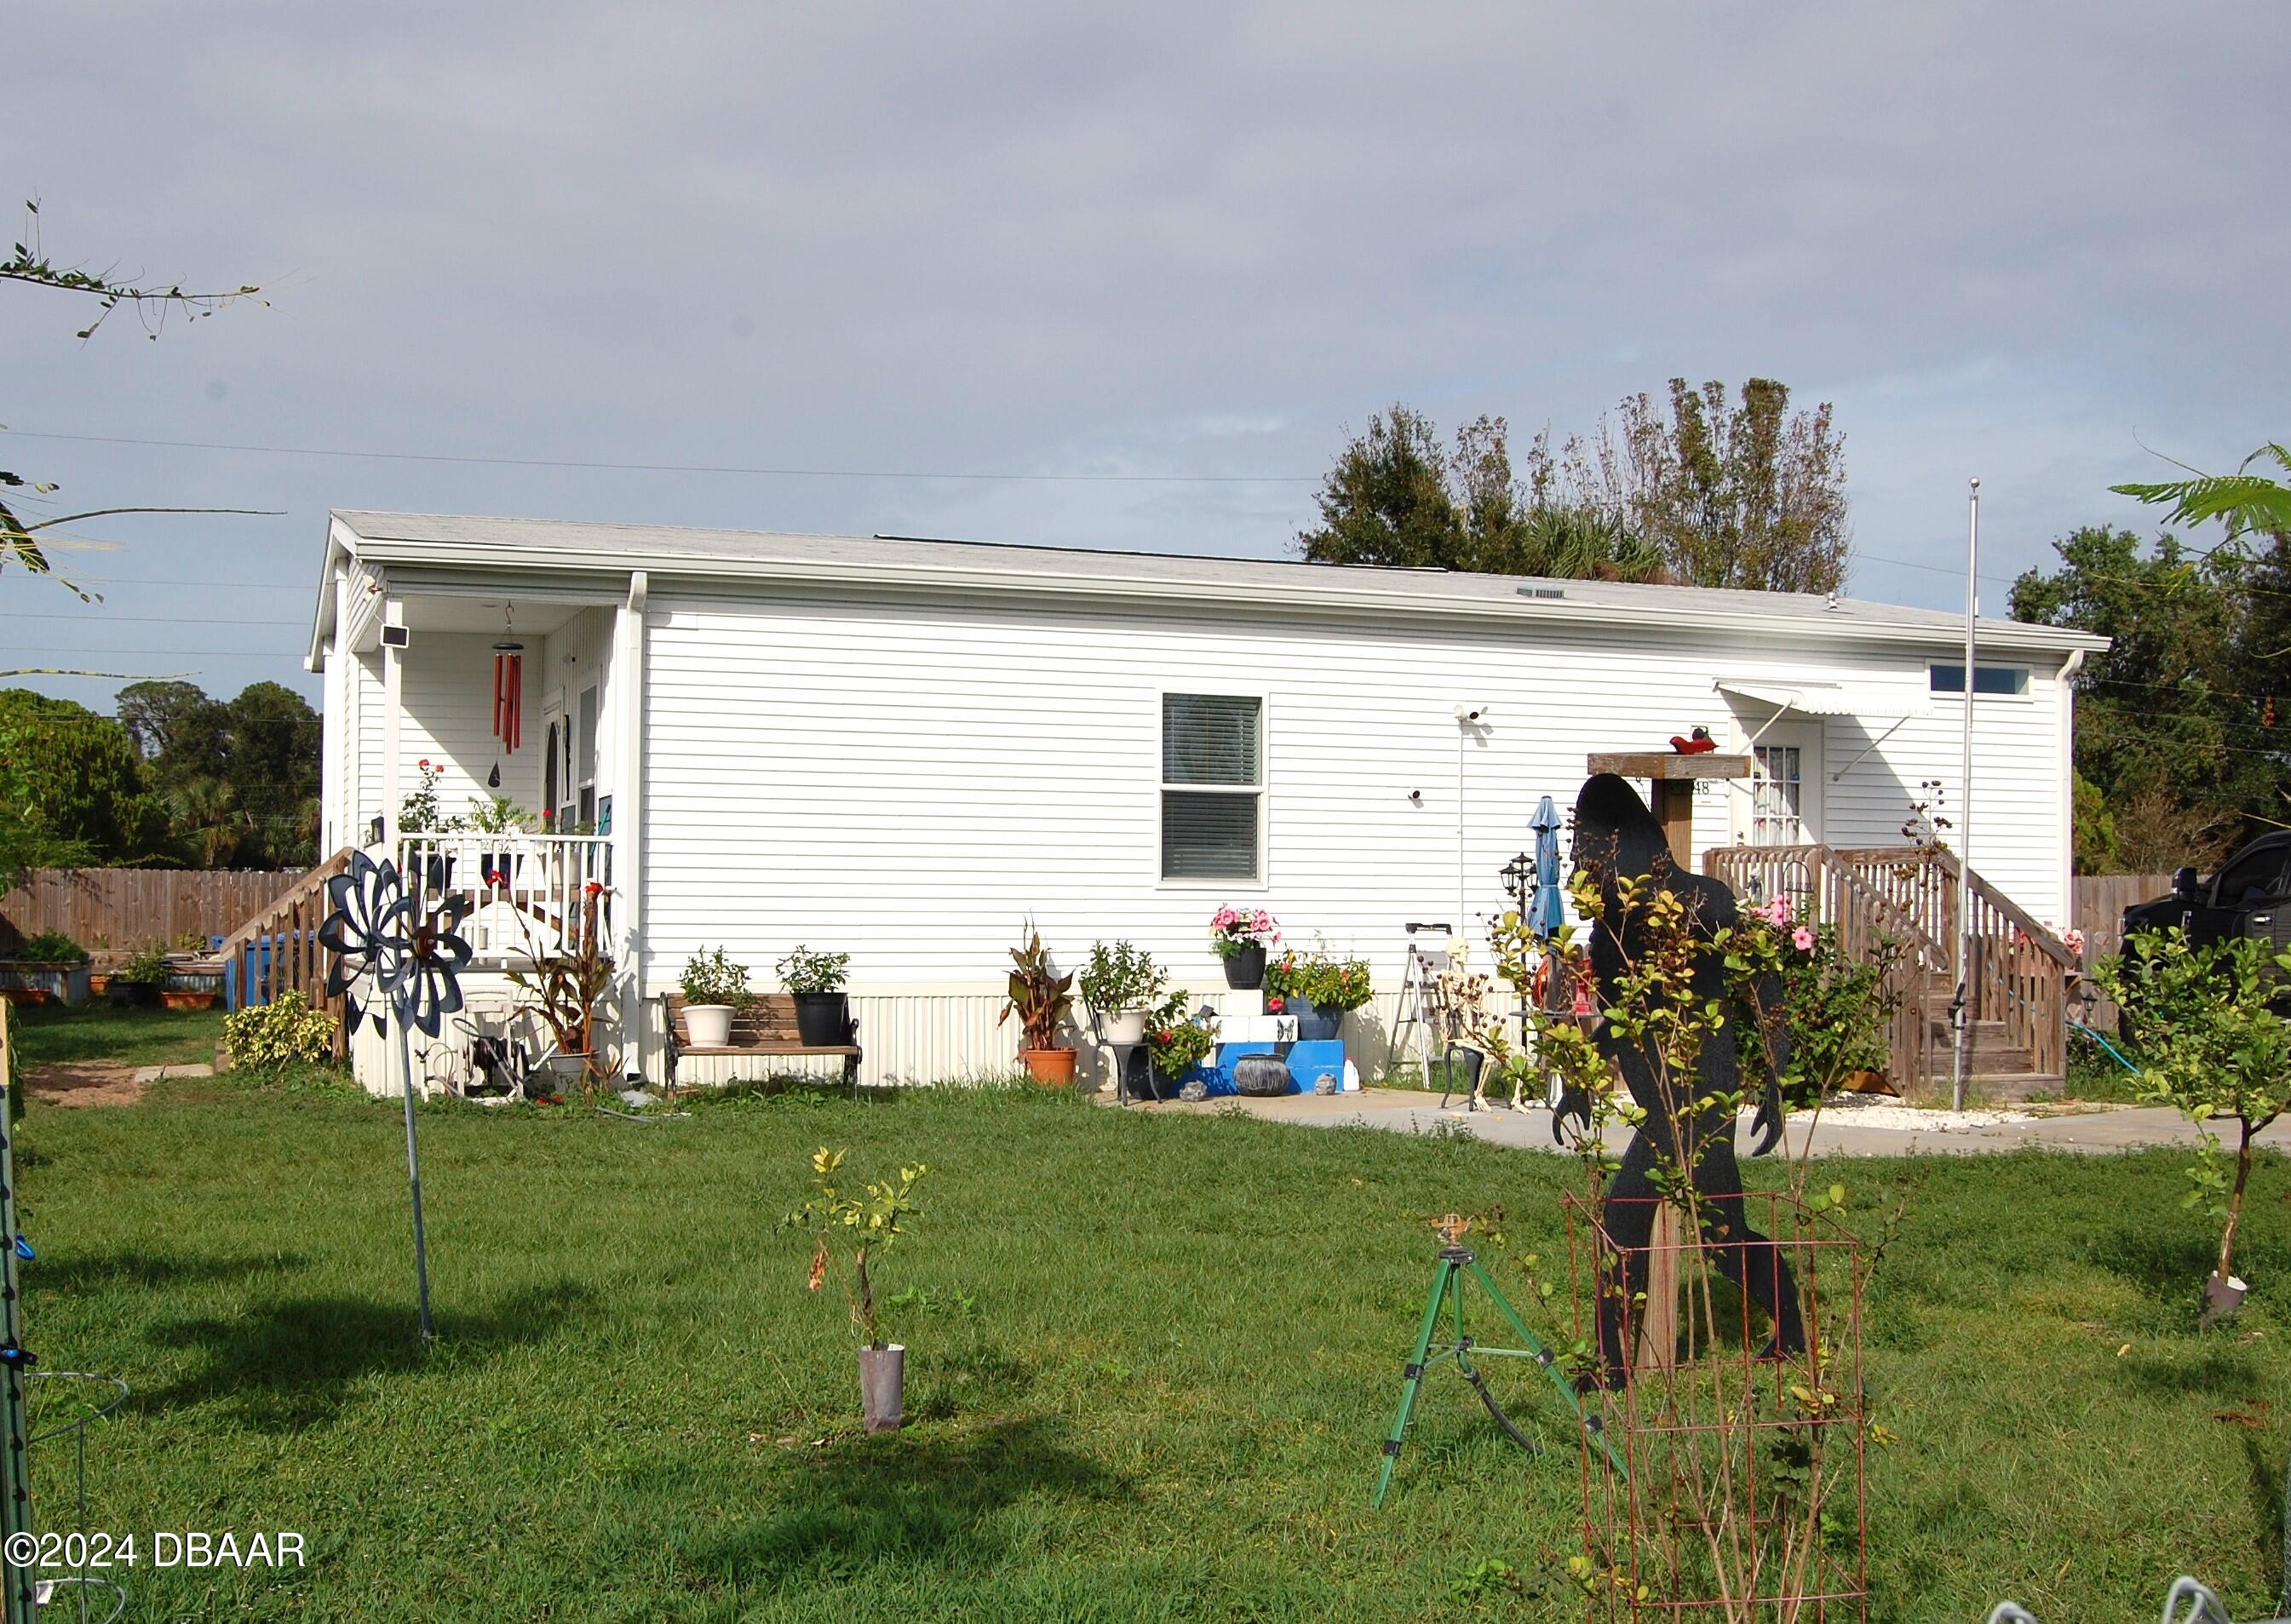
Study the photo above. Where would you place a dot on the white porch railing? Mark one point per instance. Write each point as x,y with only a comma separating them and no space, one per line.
521,891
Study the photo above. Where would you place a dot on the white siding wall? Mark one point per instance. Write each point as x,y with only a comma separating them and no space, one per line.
448,696
909,782
369,723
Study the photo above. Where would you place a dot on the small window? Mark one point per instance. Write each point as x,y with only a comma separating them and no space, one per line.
1987,679
1212,786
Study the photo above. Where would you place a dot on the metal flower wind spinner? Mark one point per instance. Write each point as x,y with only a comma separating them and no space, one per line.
390,957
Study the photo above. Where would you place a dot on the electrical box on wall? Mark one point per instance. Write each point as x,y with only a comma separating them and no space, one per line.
395,637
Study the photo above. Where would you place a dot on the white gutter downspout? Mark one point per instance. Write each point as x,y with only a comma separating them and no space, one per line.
628,827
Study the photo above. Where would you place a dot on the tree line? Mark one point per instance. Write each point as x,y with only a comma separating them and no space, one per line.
176,779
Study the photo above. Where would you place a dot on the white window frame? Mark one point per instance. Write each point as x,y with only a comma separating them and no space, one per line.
1263,791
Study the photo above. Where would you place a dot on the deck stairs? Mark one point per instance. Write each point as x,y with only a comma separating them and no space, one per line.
2021,974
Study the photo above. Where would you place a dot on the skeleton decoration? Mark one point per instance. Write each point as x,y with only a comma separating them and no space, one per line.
393,958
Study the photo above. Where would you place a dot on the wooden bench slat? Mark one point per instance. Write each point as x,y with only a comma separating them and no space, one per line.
767,1026
776,1049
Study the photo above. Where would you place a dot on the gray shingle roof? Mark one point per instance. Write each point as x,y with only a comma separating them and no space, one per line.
422,539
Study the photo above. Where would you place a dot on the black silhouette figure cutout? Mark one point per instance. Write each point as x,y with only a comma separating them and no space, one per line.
1615,835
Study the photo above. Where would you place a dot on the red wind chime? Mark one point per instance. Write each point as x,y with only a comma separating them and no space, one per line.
508,689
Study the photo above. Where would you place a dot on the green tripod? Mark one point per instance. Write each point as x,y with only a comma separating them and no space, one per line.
1456,1262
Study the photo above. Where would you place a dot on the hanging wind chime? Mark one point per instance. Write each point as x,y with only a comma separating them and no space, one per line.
509,691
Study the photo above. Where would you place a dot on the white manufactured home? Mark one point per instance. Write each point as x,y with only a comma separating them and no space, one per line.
905,749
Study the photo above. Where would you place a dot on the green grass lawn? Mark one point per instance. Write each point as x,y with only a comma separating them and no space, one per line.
1148,1372
133,1037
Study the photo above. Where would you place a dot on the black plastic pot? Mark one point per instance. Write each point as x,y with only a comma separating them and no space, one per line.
822,1020
1246,968
1314,1026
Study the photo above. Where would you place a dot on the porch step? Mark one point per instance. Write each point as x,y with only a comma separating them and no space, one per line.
1987,1052
1990,1088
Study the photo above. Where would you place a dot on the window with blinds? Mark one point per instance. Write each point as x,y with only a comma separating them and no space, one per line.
1212,786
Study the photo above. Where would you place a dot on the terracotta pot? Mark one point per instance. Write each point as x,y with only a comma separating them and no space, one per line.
882,1384
1051,1067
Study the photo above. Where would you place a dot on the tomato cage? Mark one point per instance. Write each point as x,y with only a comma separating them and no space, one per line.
1742,1423
74,1560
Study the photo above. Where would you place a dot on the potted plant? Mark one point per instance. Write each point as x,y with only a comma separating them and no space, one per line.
1241,937
822,1013
1319,990
868,1221
715,991
565,980
1180,1040
1042,1000
1122,984
142,979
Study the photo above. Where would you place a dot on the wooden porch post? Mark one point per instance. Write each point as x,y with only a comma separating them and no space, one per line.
627,825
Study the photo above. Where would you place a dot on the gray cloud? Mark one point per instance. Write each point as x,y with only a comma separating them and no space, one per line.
1022,238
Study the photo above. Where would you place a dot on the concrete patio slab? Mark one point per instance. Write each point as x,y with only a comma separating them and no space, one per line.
1835,1132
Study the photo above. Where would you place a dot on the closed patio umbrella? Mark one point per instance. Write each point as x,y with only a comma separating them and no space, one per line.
1546,912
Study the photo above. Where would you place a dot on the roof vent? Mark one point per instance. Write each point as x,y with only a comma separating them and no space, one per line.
1543,592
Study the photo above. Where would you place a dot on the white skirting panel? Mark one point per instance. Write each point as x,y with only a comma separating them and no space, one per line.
907,1039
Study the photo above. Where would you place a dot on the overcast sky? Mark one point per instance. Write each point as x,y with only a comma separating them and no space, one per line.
1016,238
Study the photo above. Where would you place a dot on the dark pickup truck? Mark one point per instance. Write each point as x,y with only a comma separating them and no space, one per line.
2250,895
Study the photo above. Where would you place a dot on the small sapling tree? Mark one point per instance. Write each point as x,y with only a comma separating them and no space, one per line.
868,1221
2215,1043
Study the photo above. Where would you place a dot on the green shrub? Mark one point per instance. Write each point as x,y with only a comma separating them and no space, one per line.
50,947
148,968
285,1032
809,970
1120,977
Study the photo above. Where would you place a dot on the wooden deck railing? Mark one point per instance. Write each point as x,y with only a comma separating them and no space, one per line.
277,949
2019,971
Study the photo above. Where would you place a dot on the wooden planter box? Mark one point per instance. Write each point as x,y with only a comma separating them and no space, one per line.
61,983
191,998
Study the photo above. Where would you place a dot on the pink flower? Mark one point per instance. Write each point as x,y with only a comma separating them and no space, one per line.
2073,940
1802,939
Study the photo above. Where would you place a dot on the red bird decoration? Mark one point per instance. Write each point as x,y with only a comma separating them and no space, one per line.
1698,743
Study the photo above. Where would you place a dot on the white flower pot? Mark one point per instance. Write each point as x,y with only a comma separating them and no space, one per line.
709,1024
1127,1026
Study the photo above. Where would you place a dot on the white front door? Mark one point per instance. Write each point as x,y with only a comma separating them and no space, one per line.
1783,807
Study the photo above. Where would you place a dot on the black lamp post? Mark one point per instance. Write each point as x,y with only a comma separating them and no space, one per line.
1518,877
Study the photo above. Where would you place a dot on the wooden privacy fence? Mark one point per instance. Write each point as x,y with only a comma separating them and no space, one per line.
2096,908
123,910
